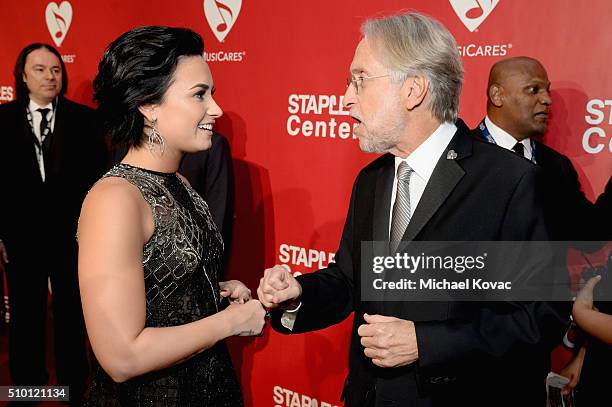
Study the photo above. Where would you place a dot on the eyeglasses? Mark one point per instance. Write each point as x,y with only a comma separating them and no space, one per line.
358,81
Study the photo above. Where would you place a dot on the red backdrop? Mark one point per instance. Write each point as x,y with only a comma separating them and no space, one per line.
280,69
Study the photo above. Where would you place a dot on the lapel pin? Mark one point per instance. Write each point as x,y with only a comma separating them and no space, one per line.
451,155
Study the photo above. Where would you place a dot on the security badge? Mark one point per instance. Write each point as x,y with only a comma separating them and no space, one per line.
451,155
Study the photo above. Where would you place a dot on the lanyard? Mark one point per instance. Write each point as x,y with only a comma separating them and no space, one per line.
487,135
47,128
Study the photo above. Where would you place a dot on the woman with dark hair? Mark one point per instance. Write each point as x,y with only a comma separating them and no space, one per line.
149,253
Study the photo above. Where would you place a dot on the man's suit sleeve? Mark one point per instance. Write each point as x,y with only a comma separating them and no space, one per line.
10,130
569,198
498,328
327,294
4,170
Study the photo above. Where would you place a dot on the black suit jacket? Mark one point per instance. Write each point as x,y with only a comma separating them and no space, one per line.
570,216
33,213
485,194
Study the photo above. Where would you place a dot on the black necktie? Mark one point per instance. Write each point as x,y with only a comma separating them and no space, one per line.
44,122
45,141
519,149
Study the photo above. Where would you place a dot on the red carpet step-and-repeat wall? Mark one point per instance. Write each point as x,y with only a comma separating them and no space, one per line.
280,68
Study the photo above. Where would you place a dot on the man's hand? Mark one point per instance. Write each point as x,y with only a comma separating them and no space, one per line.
389,341
235,290
278,286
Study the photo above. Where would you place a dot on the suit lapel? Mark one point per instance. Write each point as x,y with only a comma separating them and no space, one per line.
445,177
56,149
382,201
442,182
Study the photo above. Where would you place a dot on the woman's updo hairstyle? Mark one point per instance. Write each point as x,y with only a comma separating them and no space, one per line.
137,69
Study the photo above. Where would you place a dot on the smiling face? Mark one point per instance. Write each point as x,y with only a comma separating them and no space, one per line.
374,103
187,112
43,76
525,98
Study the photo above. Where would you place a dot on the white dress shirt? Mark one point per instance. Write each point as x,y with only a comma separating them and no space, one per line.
36,119
422,160
504,139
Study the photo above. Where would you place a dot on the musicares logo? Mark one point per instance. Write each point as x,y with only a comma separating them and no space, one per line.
221,16
58,20
473,12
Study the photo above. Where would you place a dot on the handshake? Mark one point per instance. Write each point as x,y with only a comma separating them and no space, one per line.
387,341
277,289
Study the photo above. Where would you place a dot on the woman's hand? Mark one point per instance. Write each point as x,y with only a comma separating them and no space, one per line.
247,319
586,316
235,291
572,371
584,298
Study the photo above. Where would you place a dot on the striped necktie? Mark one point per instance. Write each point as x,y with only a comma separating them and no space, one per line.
401,207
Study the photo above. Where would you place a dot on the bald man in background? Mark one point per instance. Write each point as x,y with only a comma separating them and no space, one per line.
518,109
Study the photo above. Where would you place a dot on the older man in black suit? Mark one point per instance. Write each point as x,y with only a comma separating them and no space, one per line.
434,183
50,155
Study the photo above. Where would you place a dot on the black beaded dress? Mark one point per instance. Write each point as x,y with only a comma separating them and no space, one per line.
182,262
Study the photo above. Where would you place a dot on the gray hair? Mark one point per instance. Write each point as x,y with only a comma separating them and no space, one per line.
413,44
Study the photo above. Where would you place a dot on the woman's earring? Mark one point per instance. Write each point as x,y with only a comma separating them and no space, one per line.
155,138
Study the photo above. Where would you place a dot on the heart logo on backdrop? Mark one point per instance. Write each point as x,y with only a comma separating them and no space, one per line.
221,16
58,20
472,13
